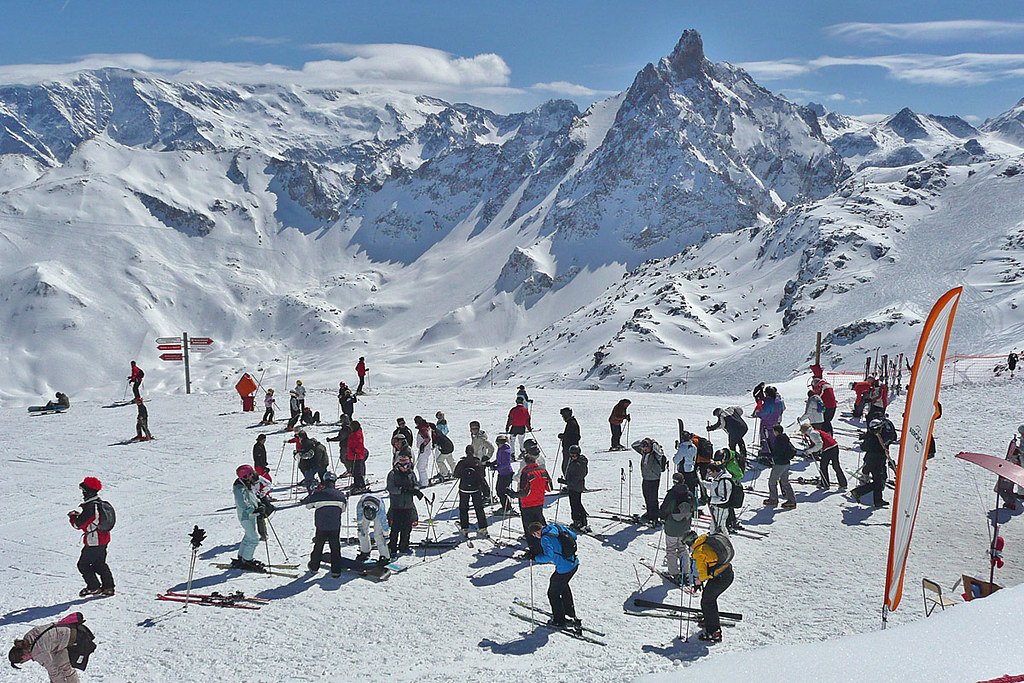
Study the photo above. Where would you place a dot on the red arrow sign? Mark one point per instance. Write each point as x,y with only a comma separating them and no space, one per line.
200,341
171,356
168,347
168,340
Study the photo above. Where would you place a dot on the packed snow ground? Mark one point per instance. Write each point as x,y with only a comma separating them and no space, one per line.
818,575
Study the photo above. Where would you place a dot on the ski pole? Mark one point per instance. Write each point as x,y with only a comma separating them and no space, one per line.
532,611
197,536
124,396
622,482
627,430
278,539
629,510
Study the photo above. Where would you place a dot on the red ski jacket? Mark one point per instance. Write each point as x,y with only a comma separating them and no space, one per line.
88,522
827,440
827,394
361,368
356,450
534,482
518,417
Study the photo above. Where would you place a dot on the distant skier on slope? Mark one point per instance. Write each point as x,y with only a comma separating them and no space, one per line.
259,453
329,504
268,405
731,420
62,403
341,438
346,400
1011,362
518,422
135,378
93,520
620,414
309,417
246,508
300,394
356,454
142,422
521,393
295,408
401,430
558,547
361,371
443,449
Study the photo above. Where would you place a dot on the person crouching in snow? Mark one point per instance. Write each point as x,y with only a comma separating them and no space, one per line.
372,512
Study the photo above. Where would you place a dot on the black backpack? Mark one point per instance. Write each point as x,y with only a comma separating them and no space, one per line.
567,539
107,517
84,642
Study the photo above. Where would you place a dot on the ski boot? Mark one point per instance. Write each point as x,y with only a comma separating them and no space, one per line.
710,638
483,533
362,557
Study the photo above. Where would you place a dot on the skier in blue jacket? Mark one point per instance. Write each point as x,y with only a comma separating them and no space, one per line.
247,507
563,610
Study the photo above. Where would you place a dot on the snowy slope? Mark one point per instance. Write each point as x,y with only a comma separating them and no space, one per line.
818,575
863,267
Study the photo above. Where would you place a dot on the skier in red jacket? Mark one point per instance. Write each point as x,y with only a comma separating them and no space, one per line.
827,394
361,372
518,422
93,562
356,457
534,482
135,378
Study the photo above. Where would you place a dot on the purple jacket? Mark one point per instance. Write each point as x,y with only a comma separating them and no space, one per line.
503,458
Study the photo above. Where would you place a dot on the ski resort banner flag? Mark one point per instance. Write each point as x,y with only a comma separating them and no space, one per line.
918,420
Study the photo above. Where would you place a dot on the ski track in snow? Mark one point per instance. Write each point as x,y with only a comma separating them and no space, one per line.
818,575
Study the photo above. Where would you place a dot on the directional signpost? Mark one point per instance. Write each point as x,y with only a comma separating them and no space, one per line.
179,347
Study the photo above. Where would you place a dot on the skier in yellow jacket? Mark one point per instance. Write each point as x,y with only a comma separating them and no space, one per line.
712,560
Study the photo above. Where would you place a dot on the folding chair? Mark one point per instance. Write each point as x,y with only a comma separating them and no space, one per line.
932,594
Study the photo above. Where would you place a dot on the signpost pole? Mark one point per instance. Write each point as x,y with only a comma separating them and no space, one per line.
184,346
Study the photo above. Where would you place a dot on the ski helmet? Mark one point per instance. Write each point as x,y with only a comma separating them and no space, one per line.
690,538
1021,429
298,382
520,400
370,508
530,446
876,424
574,450
244,471
501,438
717,412
330,478
722,454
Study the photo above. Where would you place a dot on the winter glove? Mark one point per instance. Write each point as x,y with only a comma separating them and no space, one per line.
560,436
561,480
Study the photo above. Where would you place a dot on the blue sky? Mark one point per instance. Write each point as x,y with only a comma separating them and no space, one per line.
963,58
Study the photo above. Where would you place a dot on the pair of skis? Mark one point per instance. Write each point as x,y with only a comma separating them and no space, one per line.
237,600
579,632
274,569
679,612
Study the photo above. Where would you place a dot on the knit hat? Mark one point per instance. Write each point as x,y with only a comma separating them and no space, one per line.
91,483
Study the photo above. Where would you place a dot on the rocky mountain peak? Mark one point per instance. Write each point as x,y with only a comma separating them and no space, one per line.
687,59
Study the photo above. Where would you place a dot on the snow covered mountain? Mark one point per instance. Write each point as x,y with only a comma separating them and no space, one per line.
317,225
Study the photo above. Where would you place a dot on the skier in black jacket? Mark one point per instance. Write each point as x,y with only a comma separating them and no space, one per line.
344,431
575,480
259,453
731,420
875,457
329,504
569,437
472,489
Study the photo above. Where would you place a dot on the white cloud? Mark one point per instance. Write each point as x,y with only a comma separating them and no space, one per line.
969,68
566,88
392,62
837,97
959,29
871,119
258,40
973,118
773,70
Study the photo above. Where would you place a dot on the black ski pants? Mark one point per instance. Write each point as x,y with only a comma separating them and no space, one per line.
713,588
268,415
560,595
332,538
529,516
830,457
876,470
576,509
358,470
503,485
826,424
650,491
737,444
135,389
401,527
477,499
93,566
616,435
